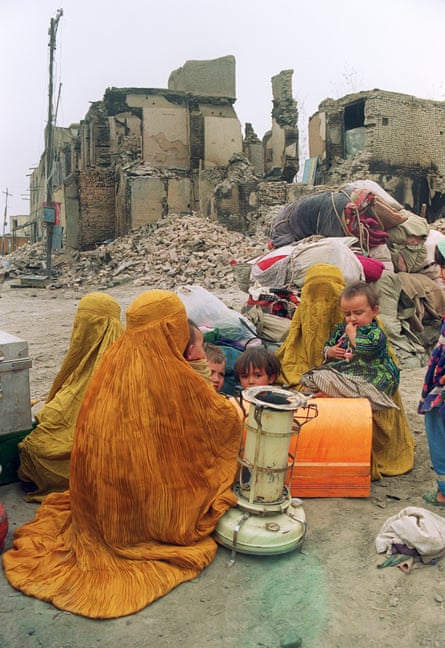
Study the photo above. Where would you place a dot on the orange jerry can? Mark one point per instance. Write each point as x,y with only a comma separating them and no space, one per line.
333,451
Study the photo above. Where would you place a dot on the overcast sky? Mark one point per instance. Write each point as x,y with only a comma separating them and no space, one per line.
334,47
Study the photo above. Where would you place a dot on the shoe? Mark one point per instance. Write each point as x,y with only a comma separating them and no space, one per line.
393,559
431,498
28,487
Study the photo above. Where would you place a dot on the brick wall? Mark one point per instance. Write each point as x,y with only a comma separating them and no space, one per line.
97,206
403,151
404,131
401,131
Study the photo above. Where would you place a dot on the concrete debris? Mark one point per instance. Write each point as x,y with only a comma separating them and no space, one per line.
178,249
438,225
240,169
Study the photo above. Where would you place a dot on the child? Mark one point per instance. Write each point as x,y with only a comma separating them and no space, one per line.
432,403
195,346
359,364
194,352
256,366
358,346
216,361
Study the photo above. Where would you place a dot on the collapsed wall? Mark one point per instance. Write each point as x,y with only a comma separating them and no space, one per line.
143,153
394,139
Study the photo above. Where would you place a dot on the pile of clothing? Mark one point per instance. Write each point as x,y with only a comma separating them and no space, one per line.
361,209
369,236
412,537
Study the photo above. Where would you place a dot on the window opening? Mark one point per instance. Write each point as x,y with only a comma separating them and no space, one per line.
354,128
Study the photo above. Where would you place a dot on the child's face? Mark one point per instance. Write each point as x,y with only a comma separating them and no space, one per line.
357,310
217,373
196,348
255,376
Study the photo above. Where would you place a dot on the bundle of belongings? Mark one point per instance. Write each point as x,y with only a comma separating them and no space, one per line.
207,311
369,236
361,209
265,320
271,311
222,326
412,537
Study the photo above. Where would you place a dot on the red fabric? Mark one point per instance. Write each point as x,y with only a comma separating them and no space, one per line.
375,235
372,268
266,263
282,303
3,526
362,199
361,206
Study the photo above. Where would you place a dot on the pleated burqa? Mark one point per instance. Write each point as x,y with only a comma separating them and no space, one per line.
45,453
312,323
153,462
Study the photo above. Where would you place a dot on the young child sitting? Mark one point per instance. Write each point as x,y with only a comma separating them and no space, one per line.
194,352
359,363
256,366
358,346
216,361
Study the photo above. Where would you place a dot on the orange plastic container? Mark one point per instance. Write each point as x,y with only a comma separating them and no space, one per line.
333,451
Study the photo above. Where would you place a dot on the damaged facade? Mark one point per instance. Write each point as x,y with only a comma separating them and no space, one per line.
394,139
142,153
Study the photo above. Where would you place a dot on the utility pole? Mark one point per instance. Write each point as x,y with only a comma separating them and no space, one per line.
50,139
5,220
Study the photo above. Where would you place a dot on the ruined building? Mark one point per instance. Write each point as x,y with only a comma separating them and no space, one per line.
142,153
394,139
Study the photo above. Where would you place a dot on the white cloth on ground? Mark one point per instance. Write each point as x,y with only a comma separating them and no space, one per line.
415,527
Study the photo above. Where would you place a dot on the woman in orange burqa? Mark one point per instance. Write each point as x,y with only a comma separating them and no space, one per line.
153,461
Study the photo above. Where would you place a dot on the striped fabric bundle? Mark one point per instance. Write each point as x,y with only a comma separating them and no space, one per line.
331,382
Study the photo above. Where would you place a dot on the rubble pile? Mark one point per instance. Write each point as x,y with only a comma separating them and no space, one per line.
438,225
178,249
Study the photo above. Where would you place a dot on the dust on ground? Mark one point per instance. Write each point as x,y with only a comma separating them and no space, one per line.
331,595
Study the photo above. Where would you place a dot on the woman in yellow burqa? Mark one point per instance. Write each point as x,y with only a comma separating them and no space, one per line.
312,324
45,453
153,462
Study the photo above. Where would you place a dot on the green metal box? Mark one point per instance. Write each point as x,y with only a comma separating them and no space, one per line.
9,456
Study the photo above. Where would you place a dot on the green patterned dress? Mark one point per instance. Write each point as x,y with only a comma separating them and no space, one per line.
370,358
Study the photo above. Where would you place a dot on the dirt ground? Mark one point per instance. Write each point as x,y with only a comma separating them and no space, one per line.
330,595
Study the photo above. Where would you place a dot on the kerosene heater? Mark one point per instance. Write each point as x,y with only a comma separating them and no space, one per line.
267,520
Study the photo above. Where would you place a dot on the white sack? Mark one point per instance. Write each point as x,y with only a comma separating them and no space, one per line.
207,310
291,271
